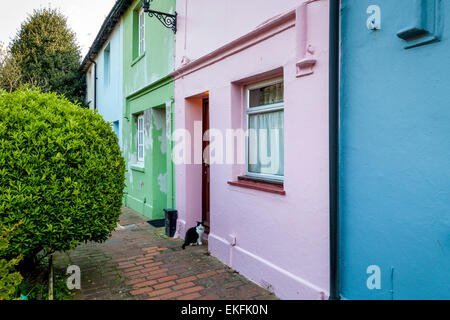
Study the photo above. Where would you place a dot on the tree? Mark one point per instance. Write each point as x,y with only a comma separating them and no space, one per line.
46,51
10,74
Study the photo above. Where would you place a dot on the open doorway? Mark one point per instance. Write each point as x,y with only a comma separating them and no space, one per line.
205,166
193,188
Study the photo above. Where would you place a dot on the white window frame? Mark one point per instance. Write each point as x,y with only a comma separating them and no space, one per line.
141,32
107,66
269,108
140,129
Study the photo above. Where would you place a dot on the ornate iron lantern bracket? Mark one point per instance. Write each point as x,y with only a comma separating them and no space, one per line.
168,20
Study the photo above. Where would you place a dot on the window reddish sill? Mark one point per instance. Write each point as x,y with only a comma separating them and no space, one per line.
248,183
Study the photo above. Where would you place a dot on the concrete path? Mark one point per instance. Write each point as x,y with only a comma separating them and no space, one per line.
140,262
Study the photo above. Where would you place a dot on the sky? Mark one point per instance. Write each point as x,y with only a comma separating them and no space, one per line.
85,17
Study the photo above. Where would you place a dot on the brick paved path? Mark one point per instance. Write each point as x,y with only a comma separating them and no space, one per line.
141,263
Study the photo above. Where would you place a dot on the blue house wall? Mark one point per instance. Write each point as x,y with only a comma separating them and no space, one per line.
395,150
110,80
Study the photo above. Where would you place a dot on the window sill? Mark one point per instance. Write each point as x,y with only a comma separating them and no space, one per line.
137,59
265,186
138,167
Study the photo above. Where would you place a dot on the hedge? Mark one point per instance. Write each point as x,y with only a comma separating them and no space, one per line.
61,173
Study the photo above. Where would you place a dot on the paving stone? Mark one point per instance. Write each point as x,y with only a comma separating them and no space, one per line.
145,265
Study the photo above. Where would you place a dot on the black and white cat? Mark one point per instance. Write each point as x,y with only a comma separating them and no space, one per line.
194,235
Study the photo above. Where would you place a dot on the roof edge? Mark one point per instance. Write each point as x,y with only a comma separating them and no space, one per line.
105,32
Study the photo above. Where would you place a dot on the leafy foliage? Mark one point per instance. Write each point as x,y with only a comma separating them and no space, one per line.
9,279
49,58
61,292
10,73
61,173
35,283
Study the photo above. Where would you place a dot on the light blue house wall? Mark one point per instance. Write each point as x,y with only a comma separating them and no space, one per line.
395,150
110,80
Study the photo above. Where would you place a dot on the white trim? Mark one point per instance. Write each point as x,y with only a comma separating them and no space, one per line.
266,108
269,108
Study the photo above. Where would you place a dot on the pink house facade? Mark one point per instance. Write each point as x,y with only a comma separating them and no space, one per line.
239,67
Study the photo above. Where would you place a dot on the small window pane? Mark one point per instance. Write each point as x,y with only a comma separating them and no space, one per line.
266,143
116,128
266,95
107,65
141,32
140,138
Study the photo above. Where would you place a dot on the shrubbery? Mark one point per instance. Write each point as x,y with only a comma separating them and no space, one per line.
9,279
61,173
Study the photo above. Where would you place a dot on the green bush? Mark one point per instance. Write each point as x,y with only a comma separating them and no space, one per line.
9,278
61,173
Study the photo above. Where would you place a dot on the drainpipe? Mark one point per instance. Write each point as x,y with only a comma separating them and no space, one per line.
95,82
334,147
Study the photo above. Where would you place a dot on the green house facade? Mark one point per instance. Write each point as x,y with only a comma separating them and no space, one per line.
148,91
